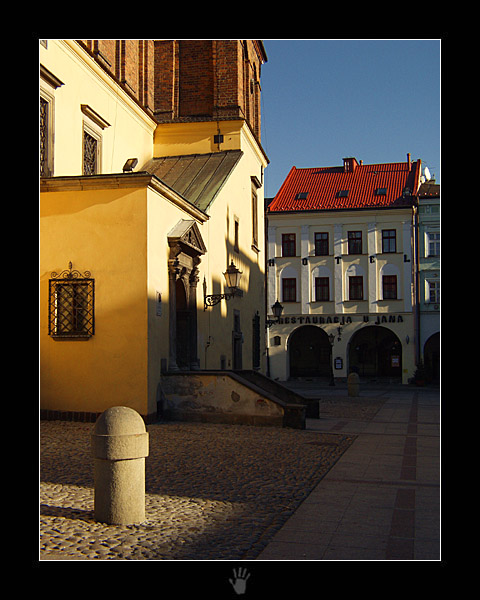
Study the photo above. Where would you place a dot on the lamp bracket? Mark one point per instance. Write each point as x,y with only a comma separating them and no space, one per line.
212,299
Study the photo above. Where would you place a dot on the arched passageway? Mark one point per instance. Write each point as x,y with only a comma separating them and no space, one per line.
309,352
375,351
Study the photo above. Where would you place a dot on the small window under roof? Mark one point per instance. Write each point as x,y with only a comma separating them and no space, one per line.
301,196
381,191
342,193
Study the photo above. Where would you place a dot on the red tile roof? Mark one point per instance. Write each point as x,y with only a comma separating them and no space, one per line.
322,187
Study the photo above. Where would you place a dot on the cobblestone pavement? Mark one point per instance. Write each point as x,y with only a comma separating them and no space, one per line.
212,491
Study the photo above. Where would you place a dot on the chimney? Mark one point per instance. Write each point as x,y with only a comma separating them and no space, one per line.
350,164
409,161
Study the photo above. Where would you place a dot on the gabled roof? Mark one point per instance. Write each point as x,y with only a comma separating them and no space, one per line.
351,186
196,177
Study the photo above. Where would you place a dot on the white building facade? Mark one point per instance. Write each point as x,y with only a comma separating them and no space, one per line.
344,272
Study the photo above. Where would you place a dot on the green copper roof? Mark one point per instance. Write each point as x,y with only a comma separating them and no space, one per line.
196,177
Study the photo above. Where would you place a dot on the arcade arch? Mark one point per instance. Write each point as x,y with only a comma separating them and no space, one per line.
375,351
309,352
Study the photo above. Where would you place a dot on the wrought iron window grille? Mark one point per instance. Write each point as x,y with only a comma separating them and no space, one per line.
71,305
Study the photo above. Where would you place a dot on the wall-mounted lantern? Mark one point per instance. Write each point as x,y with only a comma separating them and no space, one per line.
277,310
232,277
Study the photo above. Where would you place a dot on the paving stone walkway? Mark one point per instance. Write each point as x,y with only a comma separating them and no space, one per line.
212,491
360,483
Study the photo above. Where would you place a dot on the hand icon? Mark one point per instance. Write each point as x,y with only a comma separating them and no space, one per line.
240,580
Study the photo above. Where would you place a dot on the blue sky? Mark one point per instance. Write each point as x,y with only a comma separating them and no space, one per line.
323,100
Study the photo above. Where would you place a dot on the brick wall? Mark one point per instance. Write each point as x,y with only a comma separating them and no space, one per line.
187,80
130,62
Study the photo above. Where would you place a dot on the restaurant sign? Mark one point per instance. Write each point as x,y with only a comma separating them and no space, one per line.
341,320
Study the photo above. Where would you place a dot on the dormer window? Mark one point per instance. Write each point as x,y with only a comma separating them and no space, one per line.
381,191
342,194
301,196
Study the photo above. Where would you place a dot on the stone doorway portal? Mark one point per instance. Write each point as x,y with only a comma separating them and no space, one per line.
186,248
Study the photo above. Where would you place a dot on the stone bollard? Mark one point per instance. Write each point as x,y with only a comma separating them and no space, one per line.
353,383
119,447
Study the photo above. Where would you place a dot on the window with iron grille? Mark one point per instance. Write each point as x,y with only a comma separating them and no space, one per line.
89,154
43,138
71,305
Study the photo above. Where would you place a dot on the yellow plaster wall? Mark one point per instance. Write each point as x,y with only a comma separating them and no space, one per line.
172,139
103,232
216,323
130,131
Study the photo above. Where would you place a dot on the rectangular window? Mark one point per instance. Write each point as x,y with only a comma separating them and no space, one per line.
254,219
355,288
389,285
288,244
289,289
71,308
322,289
354,242
321,244
44,137
434,292
433,244
236,234
389,240
90,154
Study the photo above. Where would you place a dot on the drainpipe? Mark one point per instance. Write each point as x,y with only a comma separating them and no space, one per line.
416,283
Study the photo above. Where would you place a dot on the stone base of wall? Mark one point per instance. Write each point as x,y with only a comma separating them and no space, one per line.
225,397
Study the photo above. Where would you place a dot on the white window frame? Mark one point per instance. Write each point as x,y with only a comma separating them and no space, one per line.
434,242
435,299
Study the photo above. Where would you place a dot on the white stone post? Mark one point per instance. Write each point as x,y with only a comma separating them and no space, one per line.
119,447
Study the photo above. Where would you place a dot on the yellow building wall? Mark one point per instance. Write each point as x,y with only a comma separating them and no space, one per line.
119,234
130,130
103,232
172,139
163,215
234,203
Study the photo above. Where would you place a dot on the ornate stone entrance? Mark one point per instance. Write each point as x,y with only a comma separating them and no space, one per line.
186,248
